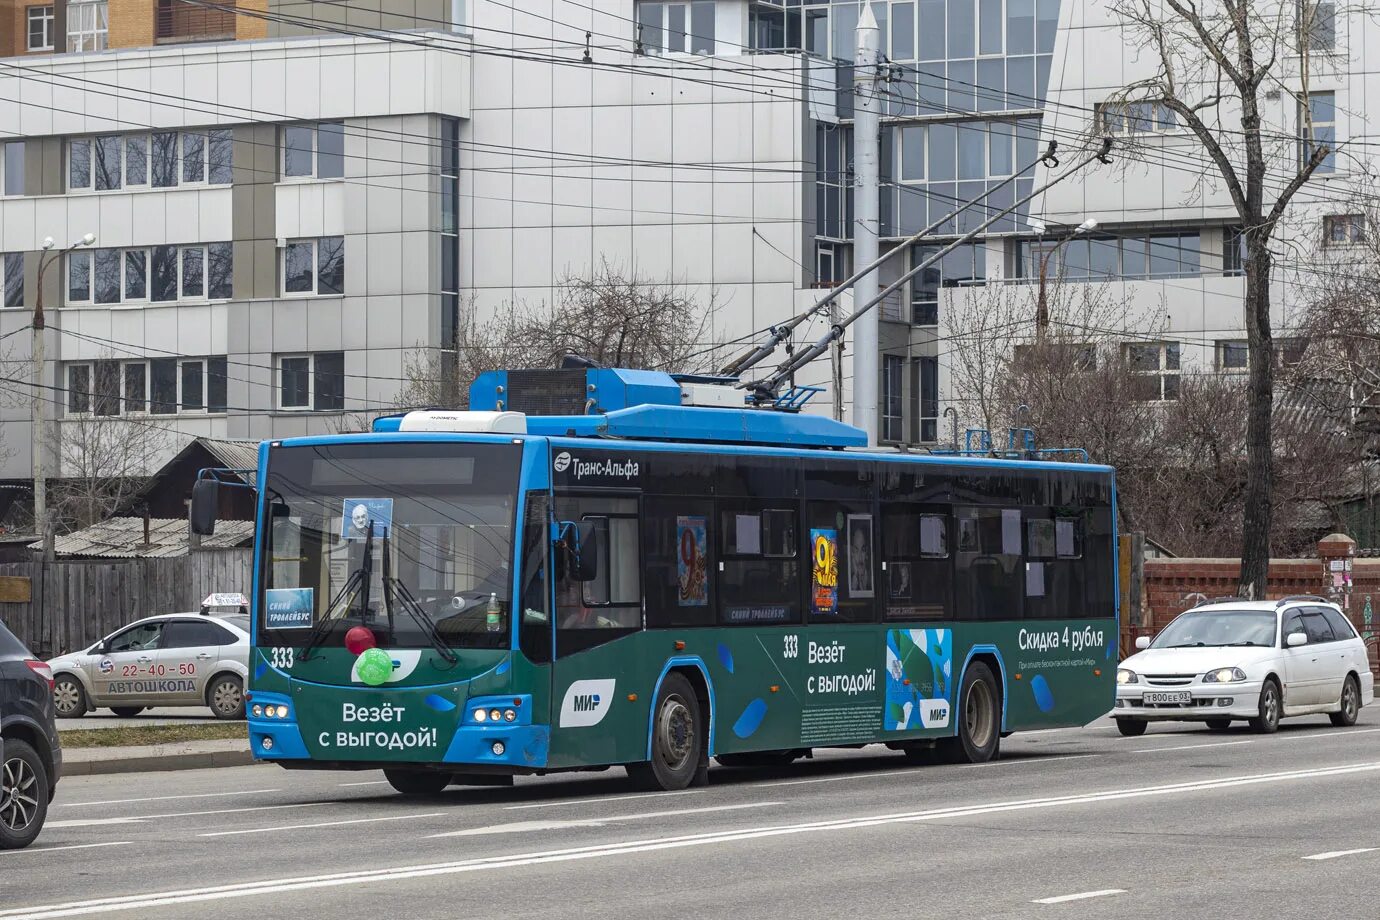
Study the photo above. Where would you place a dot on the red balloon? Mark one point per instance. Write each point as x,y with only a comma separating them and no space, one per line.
358,639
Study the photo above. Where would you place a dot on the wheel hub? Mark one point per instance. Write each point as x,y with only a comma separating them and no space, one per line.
675,732
18,804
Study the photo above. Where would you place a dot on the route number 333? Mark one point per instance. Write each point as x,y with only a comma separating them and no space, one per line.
792,647
280,657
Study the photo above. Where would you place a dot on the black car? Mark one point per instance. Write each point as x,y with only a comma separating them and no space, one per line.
30,755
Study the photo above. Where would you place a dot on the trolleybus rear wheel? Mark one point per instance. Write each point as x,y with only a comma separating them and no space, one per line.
979,719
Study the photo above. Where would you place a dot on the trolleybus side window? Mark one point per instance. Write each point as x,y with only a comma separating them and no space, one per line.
594,612
988,579
919,570
843,564
678,554
534,629
759,566
1054,574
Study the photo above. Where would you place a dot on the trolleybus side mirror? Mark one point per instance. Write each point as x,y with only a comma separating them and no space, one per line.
205,504
584,564
1142,642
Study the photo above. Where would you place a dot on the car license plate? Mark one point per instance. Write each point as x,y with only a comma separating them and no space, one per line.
1178,696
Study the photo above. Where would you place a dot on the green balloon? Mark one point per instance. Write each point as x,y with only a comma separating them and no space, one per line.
375,666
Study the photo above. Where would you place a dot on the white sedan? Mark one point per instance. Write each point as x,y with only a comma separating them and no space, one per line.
1257,661
180,659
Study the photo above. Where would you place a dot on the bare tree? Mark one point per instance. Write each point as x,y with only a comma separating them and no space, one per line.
614,318
1214,62
104,459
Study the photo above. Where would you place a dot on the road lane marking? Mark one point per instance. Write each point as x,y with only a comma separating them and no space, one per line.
607,798
831,779
1336,853
1191,747
1308,736
518,827
137,819
74,846
1081,896
300,827
1036,759
633,847
374,782
165,798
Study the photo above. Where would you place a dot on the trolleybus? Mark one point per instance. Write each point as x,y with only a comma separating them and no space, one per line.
598,567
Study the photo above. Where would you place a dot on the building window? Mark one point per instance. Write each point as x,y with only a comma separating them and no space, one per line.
966,265
1317,25
1321,117
893,371
1233,251
1156,365
1160,255
12,278
925,398
314,151
1233,357
458,15
833,181
312,382
1344,229
676,27
12,168
40,20
159,274
450,231
831,263
164,159
161,386
1135,118
88,22
312,267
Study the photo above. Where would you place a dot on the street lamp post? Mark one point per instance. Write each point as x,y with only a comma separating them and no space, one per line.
1042,307
40,398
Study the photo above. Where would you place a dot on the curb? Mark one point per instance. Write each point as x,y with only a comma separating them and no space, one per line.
157,763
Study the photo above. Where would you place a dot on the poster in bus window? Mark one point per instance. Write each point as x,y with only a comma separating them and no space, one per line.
860,556
358,514
692,569
824,564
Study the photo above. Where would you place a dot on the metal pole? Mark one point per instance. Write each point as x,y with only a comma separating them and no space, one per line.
1041,308
867,126
40,399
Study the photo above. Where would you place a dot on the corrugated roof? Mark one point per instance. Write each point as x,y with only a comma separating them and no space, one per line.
123,538
236,455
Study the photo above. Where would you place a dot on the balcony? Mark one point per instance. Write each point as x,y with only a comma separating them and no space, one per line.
176,21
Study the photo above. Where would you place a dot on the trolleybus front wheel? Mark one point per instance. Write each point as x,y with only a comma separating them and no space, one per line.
677,738
417,782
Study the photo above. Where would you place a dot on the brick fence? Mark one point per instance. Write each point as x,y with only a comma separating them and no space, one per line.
1171,586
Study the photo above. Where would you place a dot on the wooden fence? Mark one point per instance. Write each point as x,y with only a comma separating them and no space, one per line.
75,602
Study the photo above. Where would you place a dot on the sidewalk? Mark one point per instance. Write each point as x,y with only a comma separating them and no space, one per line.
180,755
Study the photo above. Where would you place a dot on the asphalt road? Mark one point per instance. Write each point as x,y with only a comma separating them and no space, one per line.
1180,823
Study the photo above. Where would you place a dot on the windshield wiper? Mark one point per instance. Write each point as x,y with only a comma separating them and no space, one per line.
414,609
360,578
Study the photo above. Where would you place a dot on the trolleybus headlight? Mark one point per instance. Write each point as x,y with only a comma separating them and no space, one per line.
1126,676
509,715
258,710
1224,676
498,748
495,715
282,712
267,744
480,715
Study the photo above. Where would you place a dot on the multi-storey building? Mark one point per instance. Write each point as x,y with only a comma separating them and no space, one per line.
283,222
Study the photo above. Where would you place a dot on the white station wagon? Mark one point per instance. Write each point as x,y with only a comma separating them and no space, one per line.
1256,661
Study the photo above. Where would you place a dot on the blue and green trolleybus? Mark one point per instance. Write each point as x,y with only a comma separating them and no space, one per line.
594,567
